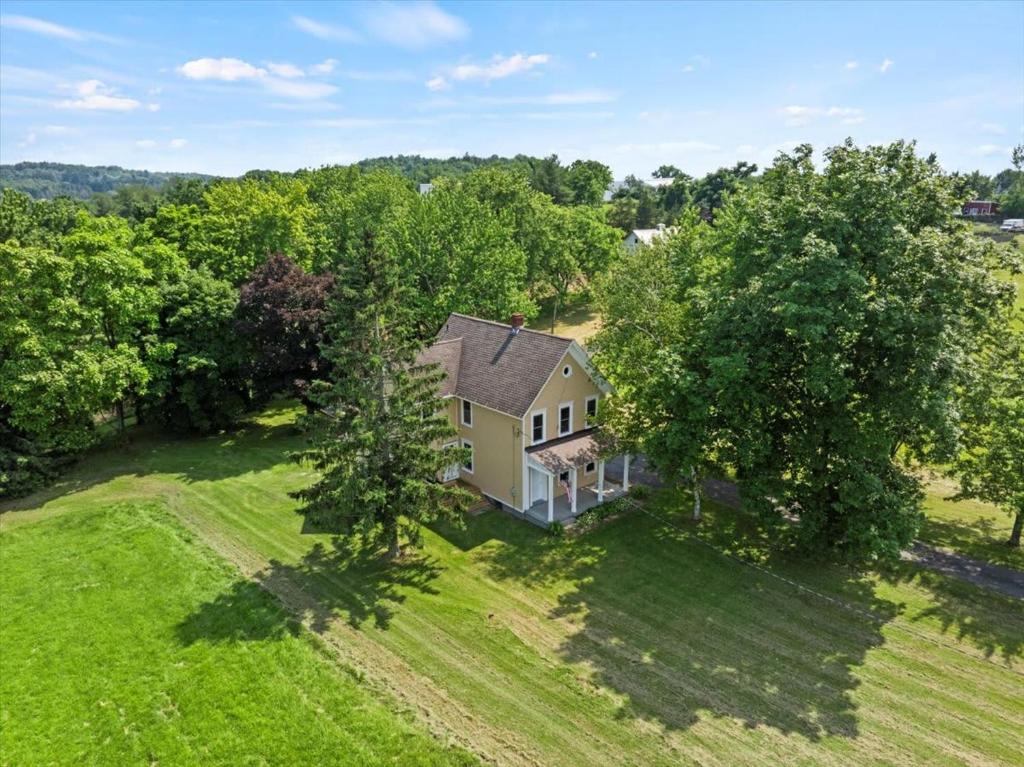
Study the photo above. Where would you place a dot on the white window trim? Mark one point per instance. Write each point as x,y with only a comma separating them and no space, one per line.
586,406
561,407
543,413
462,413
472,456
592,470
565,367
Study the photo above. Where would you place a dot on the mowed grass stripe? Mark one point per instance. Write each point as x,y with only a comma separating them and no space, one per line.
629,645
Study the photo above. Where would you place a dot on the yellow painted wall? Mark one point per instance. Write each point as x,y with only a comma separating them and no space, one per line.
497,453
559,390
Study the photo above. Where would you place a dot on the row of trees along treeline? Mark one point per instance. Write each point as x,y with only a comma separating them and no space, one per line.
811,334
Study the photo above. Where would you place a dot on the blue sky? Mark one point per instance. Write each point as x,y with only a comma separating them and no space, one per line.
223,88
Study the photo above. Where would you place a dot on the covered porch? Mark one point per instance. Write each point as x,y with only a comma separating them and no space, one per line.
555,467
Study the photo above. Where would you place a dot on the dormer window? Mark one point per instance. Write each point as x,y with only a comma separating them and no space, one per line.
467,413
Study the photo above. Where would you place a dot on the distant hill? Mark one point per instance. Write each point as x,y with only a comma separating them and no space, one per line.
46,180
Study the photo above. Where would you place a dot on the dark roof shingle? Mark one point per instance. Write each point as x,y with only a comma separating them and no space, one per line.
496,368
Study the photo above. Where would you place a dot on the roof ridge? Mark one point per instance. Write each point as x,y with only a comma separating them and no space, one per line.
446,341
506,325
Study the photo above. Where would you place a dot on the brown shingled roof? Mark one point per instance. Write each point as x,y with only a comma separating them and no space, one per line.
496,368
446,354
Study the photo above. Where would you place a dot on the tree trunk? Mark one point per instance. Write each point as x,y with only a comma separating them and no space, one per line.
120,418
554,314
394,547
1018,524
696,495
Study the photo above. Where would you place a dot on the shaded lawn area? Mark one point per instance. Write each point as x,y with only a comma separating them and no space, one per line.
577,319
979,530
124,641
634,644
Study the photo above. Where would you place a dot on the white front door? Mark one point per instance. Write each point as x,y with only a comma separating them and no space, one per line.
538,486
452,471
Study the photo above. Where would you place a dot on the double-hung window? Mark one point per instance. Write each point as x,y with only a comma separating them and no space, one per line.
467,413
565,419
537,430
591,409
468,465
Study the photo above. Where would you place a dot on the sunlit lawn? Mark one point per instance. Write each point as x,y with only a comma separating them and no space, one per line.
124,641
634,644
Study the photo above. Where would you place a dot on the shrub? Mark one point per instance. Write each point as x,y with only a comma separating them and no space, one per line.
639,492
556,530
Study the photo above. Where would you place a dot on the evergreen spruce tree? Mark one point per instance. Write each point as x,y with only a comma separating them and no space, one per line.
376,433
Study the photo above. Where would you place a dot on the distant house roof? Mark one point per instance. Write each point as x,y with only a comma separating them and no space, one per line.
648,236
426,188
485,362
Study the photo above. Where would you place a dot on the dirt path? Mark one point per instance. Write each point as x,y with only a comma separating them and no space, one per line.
1004,580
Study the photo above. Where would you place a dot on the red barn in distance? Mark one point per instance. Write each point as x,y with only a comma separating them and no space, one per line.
980,208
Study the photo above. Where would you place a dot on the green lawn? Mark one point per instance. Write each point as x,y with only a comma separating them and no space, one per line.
635,644
125,641
976,529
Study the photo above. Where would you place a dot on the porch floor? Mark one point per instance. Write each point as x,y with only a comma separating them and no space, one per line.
586,498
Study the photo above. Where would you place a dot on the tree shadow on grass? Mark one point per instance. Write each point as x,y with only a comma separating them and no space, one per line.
993,623
681,633
330,583
258,442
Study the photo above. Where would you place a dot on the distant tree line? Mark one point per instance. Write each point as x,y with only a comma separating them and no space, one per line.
46,180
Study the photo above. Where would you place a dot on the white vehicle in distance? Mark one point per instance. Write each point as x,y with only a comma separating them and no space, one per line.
1013,225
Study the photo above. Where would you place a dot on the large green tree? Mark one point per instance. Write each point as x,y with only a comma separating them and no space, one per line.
990,462
841,310
376,437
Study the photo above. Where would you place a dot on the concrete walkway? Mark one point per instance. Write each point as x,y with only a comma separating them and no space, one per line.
1004,580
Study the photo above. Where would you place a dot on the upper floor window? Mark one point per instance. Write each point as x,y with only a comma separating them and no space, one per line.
467,413
591,409
567,371
537,427
565,419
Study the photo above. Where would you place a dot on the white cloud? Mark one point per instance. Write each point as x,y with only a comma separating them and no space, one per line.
802,115
886,65
990,150
994,128
298,90
146,143
30,140
285,70
153,107
437,84
178,143
592,55
851,65
57,130
325,67
49,29
667,147
689,68
384,75
499,67
226,69
95,96
325,31
564,98
282,82
414,24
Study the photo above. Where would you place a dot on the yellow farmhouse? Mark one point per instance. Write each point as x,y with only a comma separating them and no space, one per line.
524,404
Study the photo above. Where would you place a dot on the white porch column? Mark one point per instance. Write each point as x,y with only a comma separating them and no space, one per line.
551,498
574,479
625,473
600,481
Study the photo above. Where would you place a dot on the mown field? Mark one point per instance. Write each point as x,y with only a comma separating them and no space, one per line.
123,640
638,643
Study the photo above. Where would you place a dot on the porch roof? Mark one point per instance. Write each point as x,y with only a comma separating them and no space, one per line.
567,452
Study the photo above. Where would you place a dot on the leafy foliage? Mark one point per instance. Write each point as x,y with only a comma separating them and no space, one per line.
46,180
280,317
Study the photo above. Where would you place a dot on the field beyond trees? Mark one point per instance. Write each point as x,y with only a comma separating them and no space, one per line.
638,643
